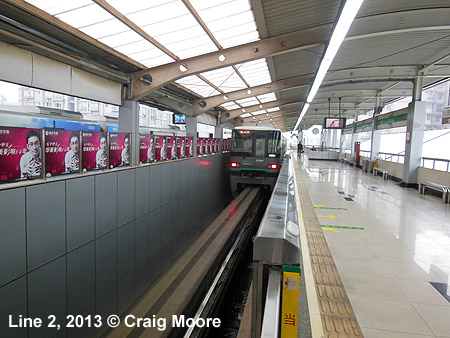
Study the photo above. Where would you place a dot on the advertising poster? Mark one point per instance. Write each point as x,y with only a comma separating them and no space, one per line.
119,149
209,146
216,145
94,150
199,146
62,152
204,146
20,154
189,146
160,148
181,147
171,147
146,148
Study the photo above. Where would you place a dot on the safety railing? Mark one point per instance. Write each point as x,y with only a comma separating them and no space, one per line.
436,163
365,153
276,248
398,158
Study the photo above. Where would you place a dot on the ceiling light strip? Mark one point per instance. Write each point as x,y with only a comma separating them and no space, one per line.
345,20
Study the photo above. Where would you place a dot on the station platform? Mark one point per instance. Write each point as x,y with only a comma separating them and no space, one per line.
391,248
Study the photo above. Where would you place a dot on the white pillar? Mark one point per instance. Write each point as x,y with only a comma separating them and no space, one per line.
129,123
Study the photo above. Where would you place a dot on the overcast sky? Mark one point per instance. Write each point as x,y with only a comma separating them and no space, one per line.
10,91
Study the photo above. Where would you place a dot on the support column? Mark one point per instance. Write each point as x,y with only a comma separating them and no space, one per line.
415,128
218,133
376,134
129,123
354,137
191,131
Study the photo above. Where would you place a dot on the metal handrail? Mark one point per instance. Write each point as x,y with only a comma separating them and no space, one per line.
390,156
434,162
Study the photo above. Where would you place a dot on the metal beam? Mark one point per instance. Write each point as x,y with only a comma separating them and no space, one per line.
201,106
176,105
274,115
161,75
231,114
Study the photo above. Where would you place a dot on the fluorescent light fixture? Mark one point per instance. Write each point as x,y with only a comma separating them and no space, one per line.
345,20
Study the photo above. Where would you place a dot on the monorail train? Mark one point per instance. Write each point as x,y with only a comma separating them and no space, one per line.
256,156
52,118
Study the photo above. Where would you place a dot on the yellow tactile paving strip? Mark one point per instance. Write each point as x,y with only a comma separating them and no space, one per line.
336,312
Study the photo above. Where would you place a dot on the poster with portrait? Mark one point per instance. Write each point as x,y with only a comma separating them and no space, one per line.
20,154
146,148
189,147
171,147
199,146
62,152
216,145
94,151
160,148
119,149
181,147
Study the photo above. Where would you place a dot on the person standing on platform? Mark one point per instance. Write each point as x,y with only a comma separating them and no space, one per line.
299,148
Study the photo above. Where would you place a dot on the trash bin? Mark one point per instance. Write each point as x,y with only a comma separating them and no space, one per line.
366,166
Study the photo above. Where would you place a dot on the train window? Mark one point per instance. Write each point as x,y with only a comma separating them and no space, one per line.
242,143
274,142
260,146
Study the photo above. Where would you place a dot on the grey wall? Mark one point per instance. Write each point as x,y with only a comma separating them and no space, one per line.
93,244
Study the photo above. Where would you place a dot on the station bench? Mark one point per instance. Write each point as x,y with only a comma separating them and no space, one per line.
435,186
383,172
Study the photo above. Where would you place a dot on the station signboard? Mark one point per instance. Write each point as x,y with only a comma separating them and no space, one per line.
20,154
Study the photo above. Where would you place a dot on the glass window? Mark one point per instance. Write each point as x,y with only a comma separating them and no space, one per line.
260,146
274,138
242,143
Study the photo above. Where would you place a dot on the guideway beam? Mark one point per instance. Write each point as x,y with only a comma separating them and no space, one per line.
156,77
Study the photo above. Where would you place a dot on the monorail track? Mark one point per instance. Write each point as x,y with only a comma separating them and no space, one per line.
195,283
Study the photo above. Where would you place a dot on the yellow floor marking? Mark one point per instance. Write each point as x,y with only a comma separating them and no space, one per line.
328,216
311,293
319,206
330,229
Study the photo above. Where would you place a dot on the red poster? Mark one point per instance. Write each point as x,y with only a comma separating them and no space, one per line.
171,147
181,147
205,146
119,149
216,145
189,147
199,146
210,146
20,154
62,152
160,148
94,150
147,148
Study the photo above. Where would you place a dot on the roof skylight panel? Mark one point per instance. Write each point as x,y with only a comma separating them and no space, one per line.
57,6
273,109
259,112
239,39
230,105
246,115
155,61
215,10
267,97
196,85
250,101
225,78
131,6
104,29
85,16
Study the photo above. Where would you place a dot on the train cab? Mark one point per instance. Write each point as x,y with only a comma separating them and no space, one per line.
256,156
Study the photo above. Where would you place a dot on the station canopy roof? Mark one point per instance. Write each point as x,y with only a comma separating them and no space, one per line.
242,60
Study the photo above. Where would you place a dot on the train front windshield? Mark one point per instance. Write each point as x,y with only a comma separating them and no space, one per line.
256,143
